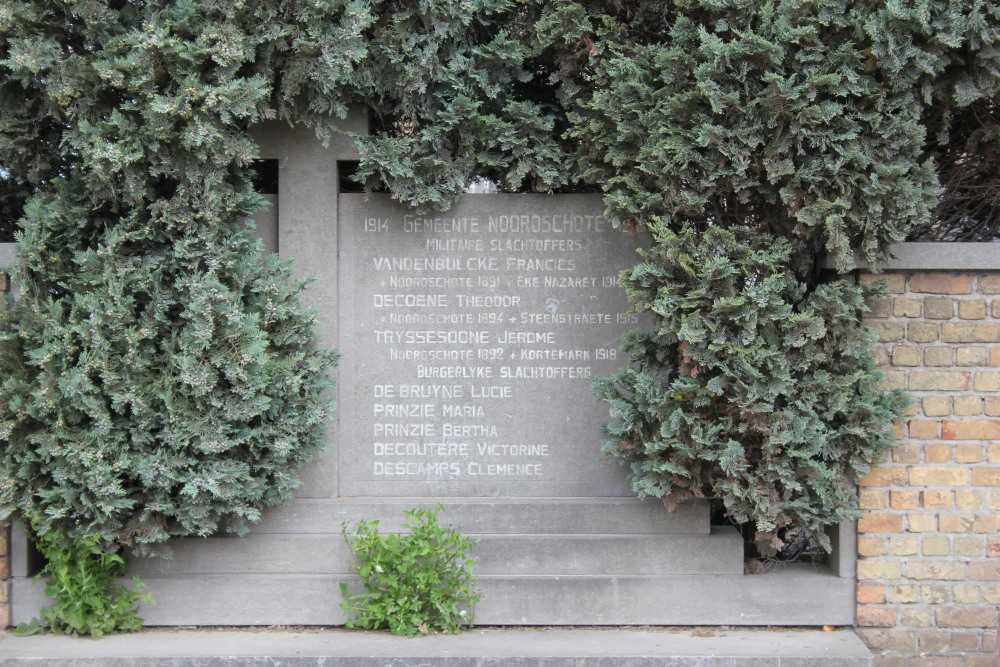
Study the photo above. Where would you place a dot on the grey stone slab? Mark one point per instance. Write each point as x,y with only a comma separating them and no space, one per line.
789,599
472,338
253,554
938,256
24,560
648,647
844,551
266,224
7,254
496,515
8,257
719,553
795,597
213,600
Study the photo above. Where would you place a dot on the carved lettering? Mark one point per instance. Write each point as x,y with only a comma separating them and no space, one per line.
471,341
469,411
491,391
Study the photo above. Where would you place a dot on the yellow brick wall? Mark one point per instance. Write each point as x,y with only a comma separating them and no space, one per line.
929,538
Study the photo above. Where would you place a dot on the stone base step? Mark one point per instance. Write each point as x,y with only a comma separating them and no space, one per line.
545,647
796,595
481,516
721,552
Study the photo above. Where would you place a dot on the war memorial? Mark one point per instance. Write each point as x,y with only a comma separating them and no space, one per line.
469,342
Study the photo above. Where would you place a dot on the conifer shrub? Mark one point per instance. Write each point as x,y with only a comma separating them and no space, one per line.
459,91
949,52
159,375
755,386
172,390
762,113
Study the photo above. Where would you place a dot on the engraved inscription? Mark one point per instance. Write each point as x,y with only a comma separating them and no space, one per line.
476,337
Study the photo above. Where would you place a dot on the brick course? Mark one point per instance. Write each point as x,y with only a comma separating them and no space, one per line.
929,536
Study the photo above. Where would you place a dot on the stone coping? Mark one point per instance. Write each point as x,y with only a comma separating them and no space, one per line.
937,256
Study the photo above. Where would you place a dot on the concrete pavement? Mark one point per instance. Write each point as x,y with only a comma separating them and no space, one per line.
480,647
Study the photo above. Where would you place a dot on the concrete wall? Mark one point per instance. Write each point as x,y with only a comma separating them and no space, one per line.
929,539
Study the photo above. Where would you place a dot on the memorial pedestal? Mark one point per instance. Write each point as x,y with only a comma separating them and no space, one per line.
542,561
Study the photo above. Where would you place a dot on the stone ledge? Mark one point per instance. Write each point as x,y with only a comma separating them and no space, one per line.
540,647
795,596
937,256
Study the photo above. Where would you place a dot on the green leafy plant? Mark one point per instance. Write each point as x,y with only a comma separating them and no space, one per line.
83,580
415,582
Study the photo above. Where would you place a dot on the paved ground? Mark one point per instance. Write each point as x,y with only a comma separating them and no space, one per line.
542,647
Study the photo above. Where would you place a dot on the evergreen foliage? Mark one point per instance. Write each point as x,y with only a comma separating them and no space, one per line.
754,387
949,51
735,113
12,198
453,90
159,375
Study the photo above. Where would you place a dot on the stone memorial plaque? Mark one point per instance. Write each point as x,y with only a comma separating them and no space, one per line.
470,340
